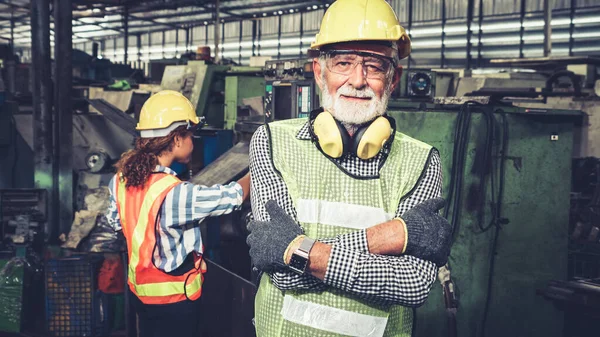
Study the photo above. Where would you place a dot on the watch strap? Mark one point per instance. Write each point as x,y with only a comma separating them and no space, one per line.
306,244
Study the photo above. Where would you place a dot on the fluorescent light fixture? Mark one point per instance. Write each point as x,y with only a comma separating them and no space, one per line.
427,43
267,43
308,39
426,31
86,28
585,35
500,26
455,29
591,19
503,39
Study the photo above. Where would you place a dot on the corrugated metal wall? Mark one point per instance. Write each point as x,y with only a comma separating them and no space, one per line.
500,33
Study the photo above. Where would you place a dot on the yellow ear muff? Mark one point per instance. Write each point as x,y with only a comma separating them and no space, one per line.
328,134
373,138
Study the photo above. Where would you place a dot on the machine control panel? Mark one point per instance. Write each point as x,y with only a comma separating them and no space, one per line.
290,90
287,70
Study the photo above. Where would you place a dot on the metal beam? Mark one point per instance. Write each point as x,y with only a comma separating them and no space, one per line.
126,34
217,23
479,34
10,4
522,29
258,6
572,26
410,21
174,26
470,8
63,126
547,28
42,110
443,49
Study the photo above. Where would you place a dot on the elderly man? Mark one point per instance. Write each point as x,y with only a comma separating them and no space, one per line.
346,226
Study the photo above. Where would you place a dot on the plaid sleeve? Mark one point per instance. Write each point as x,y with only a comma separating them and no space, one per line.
112,213
266,185
404,280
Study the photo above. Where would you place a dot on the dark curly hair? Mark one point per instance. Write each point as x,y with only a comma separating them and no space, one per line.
136,165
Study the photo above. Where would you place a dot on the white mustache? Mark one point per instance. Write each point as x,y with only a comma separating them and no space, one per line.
347,90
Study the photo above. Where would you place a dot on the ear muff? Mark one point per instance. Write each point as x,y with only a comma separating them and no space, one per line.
368,140
332,135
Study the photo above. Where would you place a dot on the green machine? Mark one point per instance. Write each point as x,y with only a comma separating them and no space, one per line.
216,91
503,251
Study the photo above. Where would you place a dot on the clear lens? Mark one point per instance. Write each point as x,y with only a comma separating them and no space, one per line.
374,66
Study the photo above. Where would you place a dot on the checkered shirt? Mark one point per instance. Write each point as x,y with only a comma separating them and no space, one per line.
404,280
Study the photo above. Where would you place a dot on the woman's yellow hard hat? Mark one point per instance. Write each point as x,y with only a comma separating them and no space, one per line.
164,110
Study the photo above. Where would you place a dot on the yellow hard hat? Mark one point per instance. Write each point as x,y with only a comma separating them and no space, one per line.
164,111
362,20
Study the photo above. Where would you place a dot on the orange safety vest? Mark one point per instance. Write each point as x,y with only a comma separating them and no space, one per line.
139,208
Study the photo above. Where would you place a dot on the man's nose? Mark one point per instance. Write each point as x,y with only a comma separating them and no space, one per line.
358,78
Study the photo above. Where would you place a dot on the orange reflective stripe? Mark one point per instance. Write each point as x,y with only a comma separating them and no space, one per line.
140,228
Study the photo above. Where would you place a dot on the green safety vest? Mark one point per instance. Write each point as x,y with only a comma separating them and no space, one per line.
330,202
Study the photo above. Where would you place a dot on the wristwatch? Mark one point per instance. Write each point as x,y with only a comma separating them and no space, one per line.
299,259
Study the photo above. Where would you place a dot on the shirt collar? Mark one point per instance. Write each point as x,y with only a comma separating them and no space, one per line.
164,169
304,133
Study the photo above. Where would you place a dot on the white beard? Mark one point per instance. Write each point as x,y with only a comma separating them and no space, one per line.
353,114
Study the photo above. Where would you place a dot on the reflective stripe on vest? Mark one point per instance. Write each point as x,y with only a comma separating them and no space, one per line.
163,288
330,319
340,214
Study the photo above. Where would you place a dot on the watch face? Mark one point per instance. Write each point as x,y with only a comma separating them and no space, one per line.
298,263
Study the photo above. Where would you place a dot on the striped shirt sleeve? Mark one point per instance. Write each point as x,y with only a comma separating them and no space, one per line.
188,202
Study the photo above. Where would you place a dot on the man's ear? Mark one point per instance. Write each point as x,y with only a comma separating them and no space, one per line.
397,76
317,71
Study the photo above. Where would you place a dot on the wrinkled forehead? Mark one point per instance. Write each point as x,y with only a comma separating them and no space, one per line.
383,48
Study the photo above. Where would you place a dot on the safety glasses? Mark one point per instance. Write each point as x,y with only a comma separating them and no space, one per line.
343,62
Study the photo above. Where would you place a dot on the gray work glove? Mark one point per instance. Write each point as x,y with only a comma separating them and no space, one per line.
429,234
268,240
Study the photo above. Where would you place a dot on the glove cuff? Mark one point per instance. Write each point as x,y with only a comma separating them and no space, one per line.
403,224
288,251
413,236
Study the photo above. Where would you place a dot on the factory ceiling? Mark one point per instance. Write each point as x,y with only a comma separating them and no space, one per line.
96,20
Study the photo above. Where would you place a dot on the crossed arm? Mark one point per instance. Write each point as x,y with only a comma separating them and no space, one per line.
366,263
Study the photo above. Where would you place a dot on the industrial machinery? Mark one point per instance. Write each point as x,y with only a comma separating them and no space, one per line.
290,90
214,90
498,161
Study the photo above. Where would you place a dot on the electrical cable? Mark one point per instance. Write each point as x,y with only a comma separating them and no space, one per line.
497,223
486,170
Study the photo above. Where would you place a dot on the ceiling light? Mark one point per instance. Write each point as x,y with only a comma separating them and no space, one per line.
291,11
264,14
315,7
205,23
280,12
307,8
